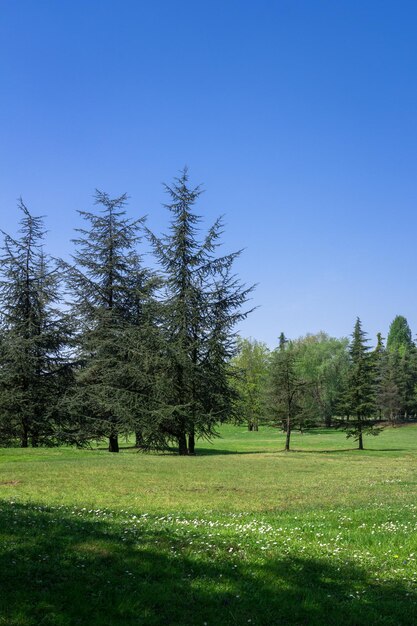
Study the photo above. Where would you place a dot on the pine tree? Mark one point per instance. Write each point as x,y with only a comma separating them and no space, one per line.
34,334
405,372
360,387
203,303
112,298
287,389
380,357
388,398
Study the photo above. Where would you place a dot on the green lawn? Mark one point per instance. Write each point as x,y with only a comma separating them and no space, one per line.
243,533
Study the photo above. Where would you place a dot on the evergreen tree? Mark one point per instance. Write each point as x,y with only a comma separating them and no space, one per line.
360,387
287,390
380,358
33,367
388,398
112,300
405,372
202,305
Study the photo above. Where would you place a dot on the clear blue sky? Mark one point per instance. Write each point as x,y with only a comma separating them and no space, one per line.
300,118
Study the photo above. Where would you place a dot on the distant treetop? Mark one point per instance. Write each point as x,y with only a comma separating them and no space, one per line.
399,335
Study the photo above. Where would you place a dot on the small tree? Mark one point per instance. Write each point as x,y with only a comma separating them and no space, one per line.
286,388
360,388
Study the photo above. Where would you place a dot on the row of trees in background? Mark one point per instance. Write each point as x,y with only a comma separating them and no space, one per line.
320,380
127,349
104,346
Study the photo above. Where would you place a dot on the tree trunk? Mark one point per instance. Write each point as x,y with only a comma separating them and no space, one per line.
250,426
182,445
24,437
139,442
360,438
288,433
255,427
113,443
191,443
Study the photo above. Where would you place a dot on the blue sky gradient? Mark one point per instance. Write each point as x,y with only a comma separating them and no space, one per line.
299,117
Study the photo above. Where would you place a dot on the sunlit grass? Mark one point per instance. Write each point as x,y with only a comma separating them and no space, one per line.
243,533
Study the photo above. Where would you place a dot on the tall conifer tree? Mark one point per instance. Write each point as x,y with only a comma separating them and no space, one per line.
360,387
112,298
202,304
286,387
34,333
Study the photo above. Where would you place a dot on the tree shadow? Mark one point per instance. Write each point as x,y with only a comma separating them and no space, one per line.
223,452
344,450
58,569
216,451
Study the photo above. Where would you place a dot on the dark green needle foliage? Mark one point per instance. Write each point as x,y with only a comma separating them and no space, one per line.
113,305
402,367
361,388
388,396
34,335
202,304
288,390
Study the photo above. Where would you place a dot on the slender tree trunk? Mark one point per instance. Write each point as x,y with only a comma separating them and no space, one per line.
250,426
113,443
24,437
191,442
255,427
360,438
182,445
288,433
139,443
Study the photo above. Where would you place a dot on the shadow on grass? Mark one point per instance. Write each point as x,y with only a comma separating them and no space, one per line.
199,451
60,570
222,452
344,450
215,451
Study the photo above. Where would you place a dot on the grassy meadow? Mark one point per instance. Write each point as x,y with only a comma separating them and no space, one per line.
243,533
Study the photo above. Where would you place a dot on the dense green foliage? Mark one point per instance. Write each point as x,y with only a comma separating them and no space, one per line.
33,336
203,303
103,346
251,367
319,380
146,353
399,335
360,389
111,301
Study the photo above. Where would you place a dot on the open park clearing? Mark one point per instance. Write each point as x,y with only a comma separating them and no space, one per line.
242,533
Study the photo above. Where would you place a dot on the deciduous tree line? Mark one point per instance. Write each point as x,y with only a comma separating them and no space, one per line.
318,380
103,346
